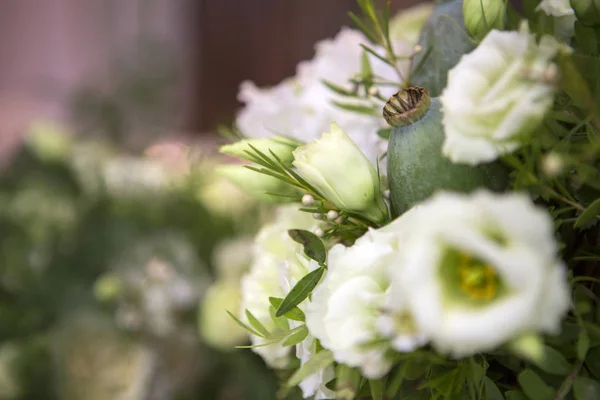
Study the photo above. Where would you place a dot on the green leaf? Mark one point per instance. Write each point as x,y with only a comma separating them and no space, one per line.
255,323
368,110
491,390
300,291
515,395
583,345
586,389
384,133
366,70
313,246
376,55
318,362
244,326
347,383
363,27
588,214
296,337
338,89
280,322
294,314
553,362
534,387
586,38
376,386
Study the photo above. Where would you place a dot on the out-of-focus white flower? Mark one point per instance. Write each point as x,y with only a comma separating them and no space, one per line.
272,249
406,26
497,95
480,270
341,173
302,107
232,258
556,8
564,16
217,328
130,176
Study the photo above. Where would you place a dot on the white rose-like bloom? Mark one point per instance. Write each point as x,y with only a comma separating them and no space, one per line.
272,248
302,107
489,105
353,312
341,173
481,270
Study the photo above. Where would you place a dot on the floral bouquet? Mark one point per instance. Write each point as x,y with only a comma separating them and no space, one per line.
440,240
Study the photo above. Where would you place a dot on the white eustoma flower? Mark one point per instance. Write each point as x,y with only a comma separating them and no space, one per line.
272,248
302,107
353,311
481,269
335,166
497,95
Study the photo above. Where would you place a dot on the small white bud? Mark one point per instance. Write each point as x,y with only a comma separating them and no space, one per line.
332,214
340,219
308,200
373,91
317,216
319,232
417,48
553,164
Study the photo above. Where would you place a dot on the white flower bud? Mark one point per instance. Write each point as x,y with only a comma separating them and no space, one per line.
341,173
332,214
317,216
481,16
255,183
319,232
308,200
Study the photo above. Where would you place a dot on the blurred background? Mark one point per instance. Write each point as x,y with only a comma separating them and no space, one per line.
119,246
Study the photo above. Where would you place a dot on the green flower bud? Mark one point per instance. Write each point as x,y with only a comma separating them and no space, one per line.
281,146
49,141
442,43
341,173
216,327
257,184
481,16
587,11
416,166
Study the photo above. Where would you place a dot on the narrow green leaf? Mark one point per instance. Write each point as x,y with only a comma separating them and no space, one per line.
300,291
376,386
244,326
280,322
588,214
366,70
395,381
338,89
583,345
294,314
318,362
553,362
374,53
491,390
255,323
368,110
313,246
534,387
586,389
363,27
384,133
296,337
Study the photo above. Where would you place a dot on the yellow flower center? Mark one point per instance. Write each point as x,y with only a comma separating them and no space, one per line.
478,280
